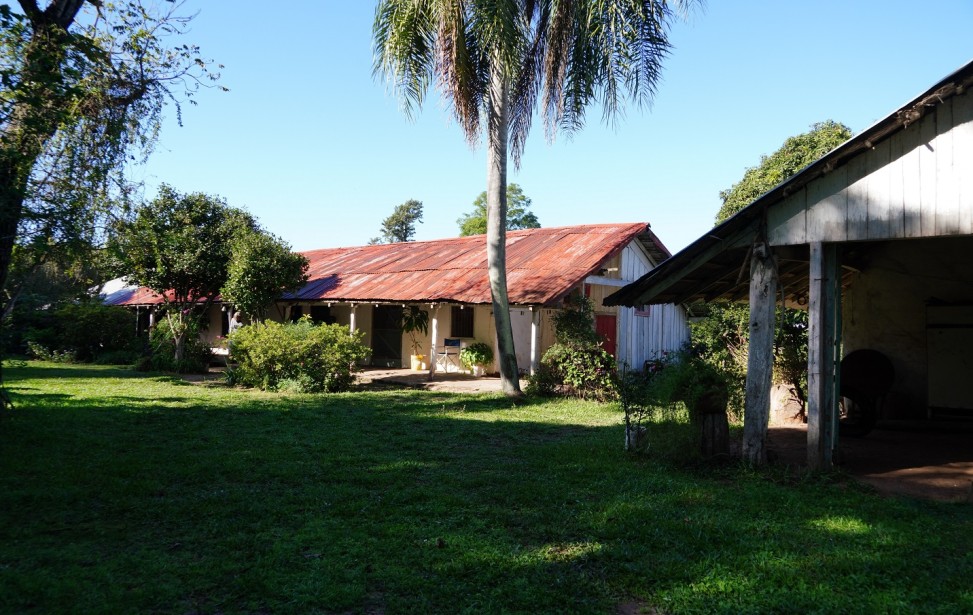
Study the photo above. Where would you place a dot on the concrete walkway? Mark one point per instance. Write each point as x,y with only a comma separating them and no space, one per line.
452,382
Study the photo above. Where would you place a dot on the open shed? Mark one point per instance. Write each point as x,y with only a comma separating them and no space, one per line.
875,240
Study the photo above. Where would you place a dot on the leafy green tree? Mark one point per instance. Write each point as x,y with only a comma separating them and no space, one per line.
795,154
401,225
261,269
723,336
81,97
497,61
475,222
180,246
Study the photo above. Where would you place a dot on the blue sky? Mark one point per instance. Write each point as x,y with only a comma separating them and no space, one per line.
319,150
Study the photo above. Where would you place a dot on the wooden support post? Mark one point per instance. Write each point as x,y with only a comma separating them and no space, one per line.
432,343
351,321
535,339
760,356
824,320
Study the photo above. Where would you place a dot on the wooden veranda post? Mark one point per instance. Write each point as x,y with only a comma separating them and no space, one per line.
535,339
760,357
824,338
432,342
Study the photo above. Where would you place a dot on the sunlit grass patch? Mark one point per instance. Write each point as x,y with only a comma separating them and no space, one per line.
841,525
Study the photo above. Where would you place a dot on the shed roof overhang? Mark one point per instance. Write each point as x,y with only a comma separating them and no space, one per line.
715,266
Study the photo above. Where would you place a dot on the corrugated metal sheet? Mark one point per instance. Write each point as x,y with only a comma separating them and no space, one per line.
542,266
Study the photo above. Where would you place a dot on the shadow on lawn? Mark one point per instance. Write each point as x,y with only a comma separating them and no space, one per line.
51,370
423,502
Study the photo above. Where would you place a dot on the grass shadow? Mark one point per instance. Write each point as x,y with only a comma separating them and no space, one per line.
141,495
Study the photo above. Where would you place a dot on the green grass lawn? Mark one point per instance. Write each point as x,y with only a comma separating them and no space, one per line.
121,492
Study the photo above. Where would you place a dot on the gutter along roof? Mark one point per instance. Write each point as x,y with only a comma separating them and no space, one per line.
543,265
715,266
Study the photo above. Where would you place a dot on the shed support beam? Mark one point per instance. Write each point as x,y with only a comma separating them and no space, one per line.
432,342
535,339
824,339
760,357
352,326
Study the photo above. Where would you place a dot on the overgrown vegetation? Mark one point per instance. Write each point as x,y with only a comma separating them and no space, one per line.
576,363
722,337
85,332
122,492
674,382
196,355
296,356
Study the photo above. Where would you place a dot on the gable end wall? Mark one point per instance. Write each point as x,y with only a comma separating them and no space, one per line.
916,183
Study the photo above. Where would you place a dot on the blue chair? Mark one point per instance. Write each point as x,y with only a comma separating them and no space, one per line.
448,355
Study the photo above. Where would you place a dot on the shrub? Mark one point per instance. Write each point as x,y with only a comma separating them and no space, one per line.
297,356
586,370
196,355
37,351
576,323
82,332
577,361
544,382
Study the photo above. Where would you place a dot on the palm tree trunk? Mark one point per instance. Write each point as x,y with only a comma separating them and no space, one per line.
497,131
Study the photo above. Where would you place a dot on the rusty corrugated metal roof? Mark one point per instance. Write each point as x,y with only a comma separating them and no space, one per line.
542,266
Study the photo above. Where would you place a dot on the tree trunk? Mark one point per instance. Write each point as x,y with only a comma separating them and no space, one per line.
180,344
497,132
11,208
31,122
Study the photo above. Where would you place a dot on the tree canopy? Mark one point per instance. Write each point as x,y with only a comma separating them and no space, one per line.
82,87
180,246
796,153
724,334
262,267
475,222
401,225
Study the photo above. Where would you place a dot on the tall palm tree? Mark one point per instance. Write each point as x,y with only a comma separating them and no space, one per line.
497,60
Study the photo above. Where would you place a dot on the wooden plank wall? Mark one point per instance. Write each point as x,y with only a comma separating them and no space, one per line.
916,183
641,338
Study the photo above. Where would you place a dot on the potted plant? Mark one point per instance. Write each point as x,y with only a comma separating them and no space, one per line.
476,357
414,322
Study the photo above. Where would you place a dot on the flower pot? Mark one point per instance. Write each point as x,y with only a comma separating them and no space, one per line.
478,371
636,438
418,362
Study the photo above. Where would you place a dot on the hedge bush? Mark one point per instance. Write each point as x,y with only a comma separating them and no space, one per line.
85,332
299,356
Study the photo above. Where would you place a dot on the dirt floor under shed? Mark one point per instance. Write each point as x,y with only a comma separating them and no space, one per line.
923,459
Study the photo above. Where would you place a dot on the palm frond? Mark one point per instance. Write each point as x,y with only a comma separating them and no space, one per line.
460,66
404,36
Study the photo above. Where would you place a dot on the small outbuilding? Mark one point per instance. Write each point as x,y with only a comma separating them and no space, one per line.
875,240
369,288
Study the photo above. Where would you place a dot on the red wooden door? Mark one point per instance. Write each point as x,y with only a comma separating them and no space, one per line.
606,326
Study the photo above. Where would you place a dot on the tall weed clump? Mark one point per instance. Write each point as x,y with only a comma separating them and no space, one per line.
299,356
